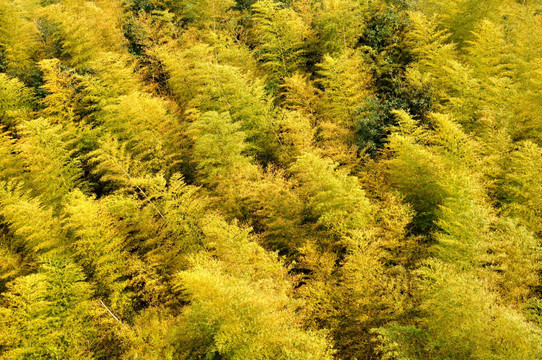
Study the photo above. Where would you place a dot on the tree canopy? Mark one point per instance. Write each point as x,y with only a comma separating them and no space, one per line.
271,179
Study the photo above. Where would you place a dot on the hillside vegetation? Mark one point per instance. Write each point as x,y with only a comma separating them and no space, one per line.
283,180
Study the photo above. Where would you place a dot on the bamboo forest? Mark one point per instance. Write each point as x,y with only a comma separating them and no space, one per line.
271,179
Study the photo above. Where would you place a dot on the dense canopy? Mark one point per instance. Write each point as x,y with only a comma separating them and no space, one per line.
271,179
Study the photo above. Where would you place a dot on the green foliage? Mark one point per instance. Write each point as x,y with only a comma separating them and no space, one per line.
100,248
454,300
149,131
372,294
47,151
273,179
61,87
234,320
277,212
397,342
385,42
460,16
16,101
218,151
339,24
462,319
209,13
384,37
333,198
33,228
50,314
438,68
353,295
201,82
10,165
346,83
278,35
522,183
85,30
296,134
415,171
237,289
19,39
115,167
219,144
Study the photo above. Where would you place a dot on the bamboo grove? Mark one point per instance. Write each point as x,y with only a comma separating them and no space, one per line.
296,179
